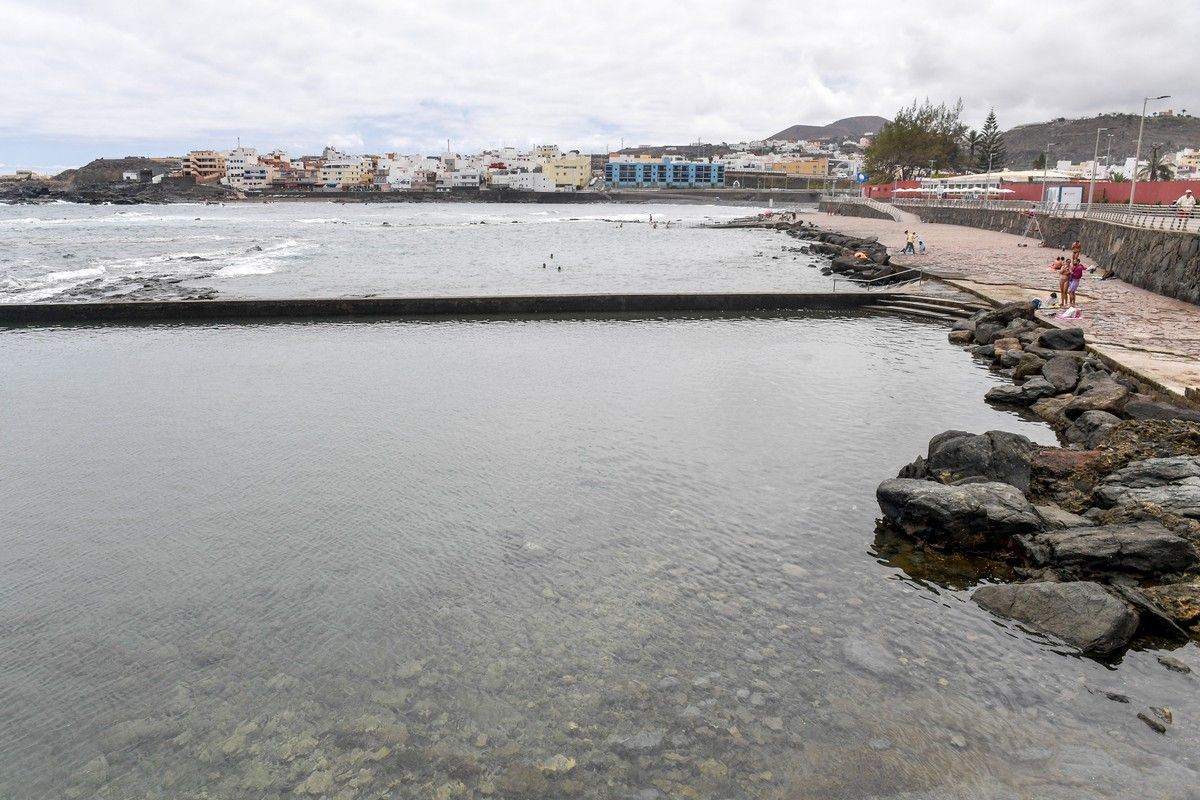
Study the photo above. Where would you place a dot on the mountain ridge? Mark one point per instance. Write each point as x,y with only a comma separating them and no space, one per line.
845,128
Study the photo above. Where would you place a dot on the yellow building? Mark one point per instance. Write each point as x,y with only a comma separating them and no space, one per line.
573,170
204,165
816,167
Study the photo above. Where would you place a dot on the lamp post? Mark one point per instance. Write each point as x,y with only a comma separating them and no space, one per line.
1095,158
1137,153
987,184
1045,172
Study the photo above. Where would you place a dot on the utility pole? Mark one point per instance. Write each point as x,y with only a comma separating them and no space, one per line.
1095,158
1045,171
987,185
1137,154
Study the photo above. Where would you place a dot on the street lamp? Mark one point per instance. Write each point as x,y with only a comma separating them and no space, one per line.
1137,154
1095,158
1045,171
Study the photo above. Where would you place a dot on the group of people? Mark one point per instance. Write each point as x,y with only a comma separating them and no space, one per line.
913,243
1070,272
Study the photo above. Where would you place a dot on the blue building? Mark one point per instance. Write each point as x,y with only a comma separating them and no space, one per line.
665,174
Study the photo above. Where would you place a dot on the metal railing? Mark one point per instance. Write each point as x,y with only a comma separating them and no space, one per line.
869,202
1158,217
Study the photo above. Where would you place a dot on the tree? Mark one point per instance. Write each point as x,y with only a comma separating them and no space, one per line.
1040,161
990,151
1116,176
1157,168
921,138
972,143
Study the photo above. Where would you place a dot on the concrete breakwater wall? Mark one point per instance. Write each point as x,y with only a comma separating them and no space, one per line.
447,307
851,210
1166,262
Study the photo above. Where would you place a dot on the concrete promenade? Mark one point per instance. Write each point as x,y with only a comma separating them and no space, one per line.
1153,337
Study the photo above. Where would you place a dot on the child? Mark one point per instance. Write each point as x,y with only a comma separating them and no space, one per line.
921,246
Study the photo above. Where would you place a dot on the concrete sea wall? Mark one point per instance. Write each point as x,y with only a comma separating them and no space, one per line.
1166,262
446,307
852,210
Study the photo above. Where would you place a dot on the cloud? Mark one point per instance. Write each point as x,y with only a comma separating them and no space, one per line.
125,77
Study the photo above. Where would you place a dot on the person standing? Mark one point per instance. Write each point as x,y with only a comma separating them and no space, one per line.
1064,280
1186,203
1076,250
1075,275
910,241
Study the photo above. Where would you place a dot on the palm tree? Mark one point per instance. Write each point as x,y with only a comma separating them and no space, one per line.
1116,176
1157,168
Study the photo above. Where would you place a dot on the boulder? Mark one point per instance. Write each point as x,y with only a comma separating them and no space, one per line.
979,517
1080,613
1056,519
1171,483
1062,372
962,336
1028,366
1004,314
1010,358
1089,428
994,455
987,332
1004,344
1061,339
1180,601
1141,408
1034,389
983,350
1101,393
1051,409
1143,549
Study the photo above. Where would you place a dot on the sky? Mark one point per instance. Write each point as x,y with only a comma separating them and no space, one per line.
80,80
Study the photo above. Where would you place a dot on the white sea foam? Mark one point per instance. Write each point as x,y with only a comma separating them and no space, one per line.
74,274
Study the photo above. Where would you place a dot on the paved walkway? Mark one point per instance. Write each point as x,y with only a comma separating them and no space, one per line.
1151,336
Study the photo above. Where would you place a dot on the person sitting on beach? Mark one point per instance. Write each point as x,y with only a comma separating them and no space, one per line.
921,246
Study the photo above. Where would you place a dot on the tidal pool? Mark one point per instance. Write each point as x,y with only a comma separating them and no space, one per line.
593,558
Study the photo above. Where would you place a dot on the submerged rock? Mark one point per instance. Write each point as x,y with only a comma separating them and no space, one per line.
640,744
975,517
1141,549
1080,613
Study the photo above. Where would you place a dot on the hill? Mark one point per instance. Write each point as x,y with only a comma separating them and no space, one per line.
108,170
848,128
1075,139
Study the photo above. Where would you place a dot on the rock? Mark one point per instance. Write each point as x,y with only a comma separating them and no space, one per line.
1104,394
1055,519
522,780
713,770
994,455
1062,372
1006,395
1051,409
1004,314
1172,483
1009,359
640,744
1141,408
1080,613
1005,344
1152,723
319,782
962,337
1027,366
982,350
557,764
1180,601
986,333
94,773
1089,428
977,517
775,723
1061,339
1174,664
1151,618
1143,549
871,657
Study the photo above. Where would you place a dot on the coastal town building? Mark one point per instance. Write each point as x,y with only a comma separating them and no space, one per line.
667,173
204,165
569,172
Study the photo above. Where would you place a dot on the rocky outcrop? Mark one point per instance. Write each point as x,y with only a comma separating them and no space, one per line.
1089,428
1080,613
972,517
1143,550
994,456
1172,484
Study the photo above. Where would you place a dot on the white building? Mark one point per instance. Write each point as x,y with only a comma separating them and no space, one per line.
236,163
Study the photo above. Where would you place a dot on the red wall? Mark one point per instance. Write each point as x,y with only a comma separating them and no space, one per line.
1148,192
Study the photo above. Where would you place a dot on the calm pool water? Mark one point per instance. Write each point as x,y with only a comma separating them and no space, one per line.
556,558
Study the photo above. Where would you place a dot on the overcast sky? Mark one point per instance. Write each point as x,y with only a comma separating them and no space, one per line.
85,79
